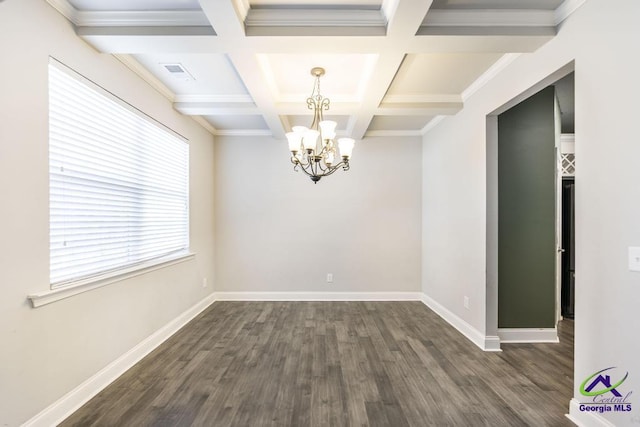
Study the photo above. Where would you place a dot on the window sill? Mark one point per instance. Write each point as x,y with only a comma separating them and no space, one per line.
57,294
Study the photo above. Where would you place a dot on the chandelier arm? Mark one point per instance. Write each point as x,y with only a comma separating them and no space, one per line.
321,168
343,164
309,169
333,169
306,171
304,160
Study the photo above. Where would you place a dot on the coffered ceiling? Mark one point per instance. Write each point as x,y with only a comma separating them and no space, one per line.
242,67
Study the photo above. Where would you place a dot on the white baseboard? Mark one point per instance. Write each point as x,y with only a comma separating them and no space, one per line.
70,402
586,419
528,335
318,296
486,343
491,343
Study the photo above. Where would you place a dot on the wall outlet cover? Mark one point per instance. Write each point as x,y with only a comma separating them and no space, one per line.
634,258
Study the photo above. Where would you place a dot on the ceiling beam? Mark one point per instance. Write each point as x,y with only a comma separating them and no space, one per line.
405,17
247,65
227,18
198,40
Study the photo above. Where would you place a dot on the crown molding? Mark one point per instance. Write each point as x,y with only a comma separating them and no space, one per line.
147,18
289,17
488,75
432,123
388,8
566,9
243,132
230,99
65,9
426,109
421,98
396,133
242,8
490,18
215,109
205,124
131,63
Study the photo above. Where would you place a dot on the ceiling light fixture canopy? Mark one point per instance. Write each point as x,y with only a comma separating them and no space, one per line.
313,149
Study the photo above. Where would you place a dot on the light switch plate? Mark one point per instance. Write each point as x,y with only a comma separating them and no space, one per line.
634,258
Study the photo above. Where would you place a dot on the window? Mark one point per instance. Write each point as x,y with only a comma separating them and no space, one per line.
119,183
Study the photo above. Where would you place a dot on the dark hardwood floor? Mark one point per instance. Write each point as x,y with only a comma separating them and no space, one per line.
335,364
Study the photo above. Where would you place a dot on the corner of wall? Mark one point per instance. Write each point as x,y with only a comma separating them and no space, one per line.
484,342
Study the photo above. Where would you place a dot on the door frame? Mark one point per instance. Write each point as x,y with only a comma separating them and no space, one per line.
491,237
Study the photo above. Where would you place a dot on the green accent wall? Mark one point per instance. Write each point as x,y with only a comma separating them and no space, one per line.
526,213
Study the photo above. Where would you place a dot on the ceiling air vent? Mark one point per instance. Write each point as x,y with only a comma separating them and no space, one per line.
177,71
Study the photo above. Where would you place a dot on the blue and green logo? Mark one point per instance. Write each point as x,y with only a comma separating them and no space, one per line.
605,380
604,392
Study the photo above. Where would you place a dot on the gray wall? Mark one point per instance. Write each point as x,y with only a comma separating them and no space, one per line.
607,191
526,213
46,352
277,231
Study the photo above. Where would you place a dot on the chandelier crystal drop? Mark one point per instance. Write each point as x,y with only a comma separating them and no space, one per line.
314,150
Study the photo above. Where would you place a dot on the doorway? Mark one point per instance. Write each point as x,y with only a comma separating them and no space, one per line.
567,303
560,303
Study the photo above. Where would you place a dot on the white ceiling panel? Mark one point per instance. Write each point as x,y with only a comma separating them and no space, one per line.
212,74
290,79
248,122
440,73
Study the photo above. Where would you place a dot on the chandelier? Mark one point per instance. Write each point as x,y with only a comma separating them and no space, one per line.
313,149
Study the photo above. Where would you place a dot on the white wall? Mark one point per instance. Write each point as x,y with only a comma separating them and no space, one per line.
602,37
278,232
46,352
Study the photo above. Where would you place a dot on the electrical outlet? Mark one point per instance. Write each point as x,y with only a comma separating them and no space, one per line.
329,277
466,302
204,282
634,259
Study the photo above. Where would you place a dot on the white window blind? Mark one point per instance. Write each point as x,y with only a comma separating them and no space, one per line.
118,183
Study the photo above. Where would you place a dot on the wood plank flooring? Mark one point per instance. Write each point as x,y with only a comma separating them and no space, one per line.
335,364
